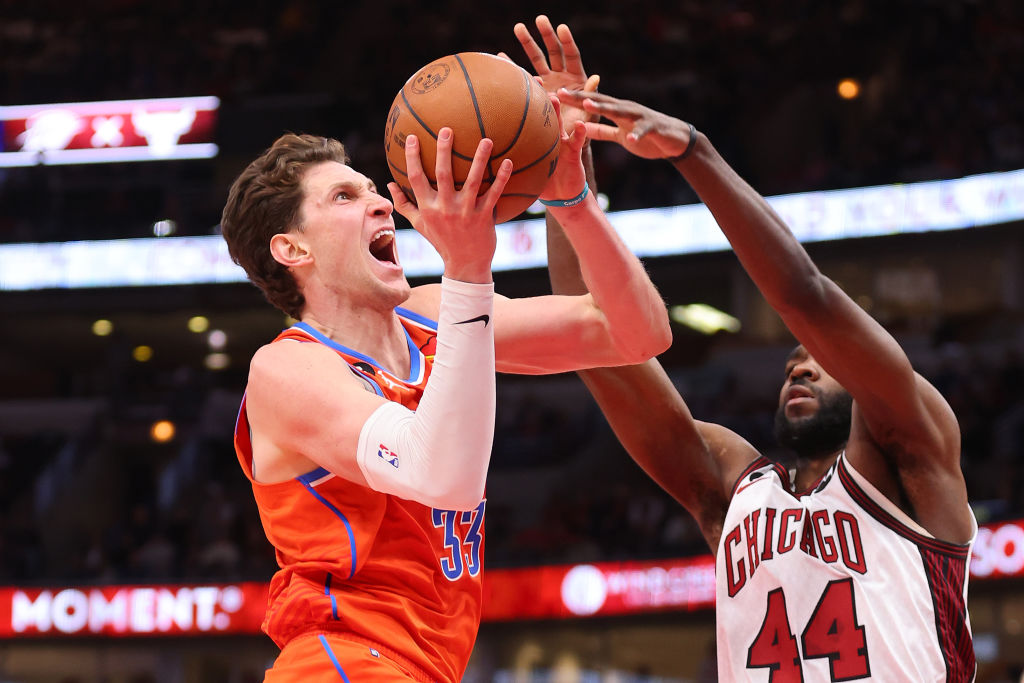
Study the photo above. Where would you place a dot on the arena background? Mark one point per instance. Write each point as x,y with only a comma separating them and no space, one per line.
133,553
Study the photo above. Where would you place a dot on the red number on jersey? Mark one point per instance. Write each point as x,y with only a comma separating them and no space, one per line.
833,632
774,647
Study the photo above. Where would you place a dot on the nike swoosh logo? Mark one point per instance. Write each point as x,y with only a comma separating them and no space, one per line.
479,319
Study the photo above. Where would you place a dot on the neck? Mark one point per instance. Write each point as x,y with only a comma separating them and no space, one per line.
377,334
361,318
809,469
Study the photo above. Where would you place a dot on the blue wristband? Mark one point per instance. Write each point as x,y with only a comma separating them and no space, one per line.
568,202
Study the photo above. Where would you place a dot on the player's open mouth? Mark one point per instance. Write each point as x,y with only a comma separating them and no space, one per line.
382,246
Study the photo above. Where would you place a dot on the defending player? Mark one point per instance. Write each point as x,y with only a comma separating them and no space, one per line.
366,428
853,566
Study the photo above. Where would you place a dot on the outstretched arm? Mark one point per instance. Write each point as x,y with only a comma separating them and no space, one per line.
640,403
564,69
695,462
620,321
619,317
899,419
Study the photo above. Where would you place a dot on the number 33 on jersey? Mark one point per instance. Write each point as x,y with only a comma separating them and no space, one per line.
462,540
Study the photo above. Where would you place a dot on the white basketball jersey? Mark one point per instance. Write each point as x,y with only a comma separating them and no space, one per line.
837,584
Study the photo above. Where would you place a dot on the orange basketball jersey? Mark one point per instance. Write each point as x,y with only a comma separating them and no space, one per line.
393,574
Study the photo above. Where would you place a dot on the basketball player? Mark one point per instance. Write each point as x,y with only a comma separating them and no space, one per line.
852,566
366,428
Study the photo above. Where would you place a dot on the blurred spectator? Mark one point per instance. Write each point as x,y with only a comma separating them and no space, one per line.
924,70
940,98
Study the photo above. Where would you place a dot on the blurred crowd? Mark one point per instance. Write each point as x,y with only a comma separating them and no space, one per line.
939,92
561,488
939,98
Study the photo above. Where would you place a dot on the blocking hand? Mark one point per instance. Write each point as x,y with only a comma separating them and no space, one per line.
562,67
642,131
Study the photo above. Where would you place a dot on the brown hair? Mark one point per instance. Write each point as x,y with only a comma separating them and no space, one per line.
265,200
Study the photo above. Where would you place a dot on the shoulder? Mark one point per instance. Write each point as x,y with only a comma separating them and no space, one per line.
917,466
733,454
278,355
425,300
285,367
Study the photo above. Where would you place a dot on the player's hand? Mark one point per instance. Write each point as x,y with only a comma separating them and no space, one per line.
642,131
562,67
569,177
458,223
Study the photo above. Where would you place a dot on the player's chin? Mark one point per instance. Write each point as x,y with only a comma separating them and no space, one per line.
799,411
398,286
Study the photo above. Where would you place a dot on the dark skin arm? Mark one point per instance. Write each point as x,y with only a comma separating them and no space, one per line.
695,462
904,437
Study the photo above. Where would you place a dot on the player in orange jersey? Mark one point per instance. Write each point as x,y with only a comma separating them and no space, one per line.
366,428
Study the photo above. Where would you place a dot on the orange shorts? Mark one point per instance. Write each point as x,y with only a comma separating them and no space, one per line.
326,657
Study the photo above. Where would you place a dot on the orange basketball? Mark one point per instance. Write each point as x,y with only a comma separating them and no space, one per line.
477,95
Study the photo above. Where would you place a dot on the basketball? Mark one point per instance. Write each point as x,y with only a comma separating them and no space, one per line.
477,95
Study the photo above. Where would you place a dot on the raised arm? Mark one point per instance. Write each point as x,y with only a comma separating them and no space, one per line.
695,462
900,421
619,318
640,402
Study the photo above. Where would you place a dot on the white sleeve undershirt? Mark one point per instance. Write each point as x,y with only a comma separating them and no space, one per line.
438,455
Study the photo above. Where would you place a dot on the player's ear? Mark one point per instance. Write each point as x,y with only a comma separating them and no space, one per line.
289,249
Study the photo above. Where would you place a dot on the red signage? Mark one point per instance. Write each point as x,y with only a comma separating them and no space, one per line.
999,551
97,132
551,592
602,589
133,610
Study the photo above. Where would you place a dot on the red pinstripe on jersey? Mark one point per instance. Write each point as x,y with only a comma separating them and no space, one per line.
945,566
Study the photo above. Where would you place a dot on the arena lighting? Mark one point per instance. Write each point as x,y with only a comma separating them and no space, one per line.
198,324
973,201
217,361
162,431
848,88
102,328
142,353
704,318
164,228
108,132
217,339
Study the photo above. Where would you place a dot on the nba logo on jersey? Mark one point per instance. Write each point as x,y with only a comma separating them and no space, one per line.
385,454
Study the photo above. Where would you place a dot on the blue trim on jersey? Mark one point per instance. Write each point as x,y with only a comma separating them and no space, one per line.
348,527
334,660
327,341
334,601
310,477
416,317
243,415
414,352
414,357
241,411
